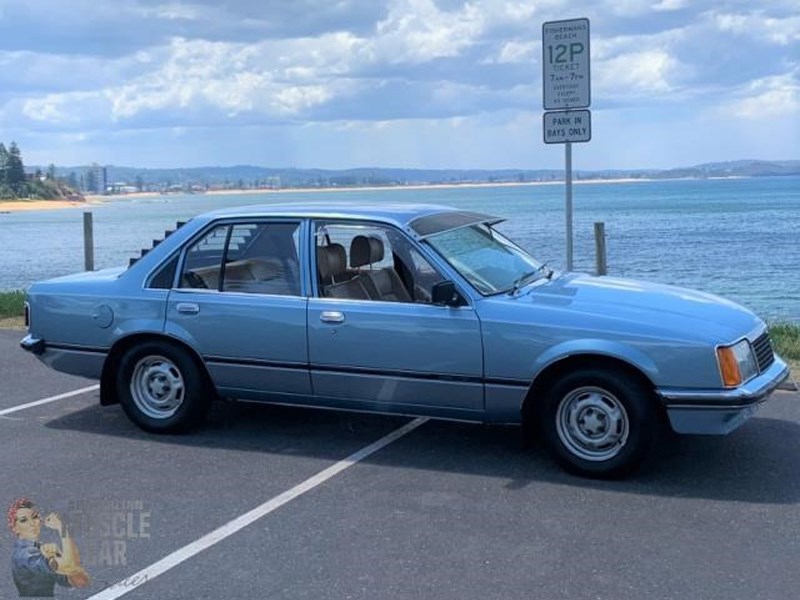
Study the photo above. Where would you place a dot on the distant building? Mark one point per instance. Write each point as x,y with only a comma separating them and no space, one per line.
96,179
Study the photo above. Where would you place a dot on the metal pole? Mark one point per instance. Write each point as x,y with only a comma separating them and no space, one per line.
88,241
568,179
600,248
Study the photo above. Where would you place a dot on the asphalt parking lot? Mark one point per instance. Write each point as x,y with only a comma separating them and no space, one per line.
447,510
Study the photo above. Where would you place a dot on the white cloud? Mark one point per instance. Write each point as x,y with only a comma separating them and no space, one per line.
768,98
56,108
174,11
418,31
631,8
27,72
667,5
650,72
516,52
196,70
666,40
781,31
294,99
44,109
197,76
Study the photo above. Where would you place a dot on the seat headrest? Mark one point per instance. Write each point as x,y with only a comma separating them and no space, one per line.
359,251
331,260
375,249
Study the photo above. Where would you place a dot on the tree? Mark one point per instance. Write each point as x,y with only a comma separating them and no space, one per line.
3,163
15,170
51,172
139,183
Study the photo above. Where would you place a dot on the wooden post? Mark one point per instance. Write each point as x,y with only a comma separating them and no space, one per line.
88,241
600,248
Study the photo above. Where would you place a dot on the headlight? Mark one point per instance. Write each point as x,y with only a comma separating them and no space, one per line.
737,363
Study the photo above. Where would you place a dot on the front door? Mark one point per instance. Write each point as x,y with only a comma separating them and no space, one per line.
374,335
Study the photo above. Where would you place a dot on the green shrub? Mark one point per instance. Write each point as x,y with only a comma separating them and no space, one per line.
786,339
12,304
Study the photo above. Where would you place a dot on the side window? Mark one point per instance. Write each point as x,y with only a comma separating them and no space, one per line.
203,262
362,261
425,276
251,258
165,275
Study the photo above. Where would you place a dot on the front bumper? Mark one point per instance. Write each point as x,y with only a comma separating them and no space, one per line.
717,412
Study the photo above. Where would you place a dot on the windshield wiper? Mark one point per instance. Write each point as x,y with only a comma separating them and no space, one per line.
520,281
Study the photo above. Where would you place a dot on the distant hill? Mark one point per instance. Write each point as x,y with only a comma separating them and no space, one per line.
249,176
738,168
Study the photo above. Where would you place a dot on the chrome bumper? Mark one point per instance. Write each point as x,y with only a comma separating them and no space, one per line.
32,344
74,360
717,412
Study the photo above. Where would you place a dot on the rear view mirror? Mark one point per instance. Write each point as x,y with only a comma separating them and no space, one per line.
445,293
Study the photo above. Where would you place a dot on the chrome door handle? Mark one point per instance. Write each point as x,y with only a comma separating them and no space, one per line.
331,316
188,308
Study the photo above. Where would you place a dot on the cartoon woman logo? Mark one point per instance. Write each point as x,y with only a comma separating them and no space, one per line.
36,567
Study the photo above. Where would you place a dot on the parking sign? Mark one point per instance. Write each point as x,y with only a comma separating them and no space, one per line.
565,64
563,126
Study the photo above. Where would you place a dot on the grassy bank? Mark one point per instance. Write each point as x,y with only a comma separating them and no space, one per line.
12,309
12,304
786,339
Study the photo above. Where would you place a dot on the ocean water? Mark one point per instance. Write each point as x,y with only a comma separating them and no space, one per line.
739,238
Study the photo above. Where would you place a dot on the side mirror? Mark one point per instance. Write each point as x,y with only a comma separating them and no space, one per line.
445,293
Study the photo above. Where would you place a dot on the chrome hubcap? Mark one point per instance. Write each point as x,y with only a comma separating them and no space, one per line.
592,423
157,387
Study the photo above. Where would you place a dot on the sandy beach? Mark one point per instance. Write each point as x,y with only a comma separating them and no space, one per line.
9,206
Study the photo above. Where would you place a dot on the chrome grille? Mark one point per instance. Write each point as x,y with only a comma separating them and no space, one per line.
764,354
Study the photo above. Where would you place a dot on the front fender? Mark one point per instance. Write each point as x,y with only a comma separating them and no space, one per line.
616,350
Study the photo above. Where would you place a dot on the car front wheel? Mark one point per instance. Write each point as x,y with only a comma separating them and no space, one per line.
161,389
599,423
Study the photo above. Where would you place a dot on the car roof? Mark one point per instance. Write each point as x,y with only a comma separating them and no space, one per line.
423,219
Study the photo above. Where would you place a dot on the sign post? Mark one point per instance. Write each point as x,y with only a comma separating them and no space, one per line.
566,82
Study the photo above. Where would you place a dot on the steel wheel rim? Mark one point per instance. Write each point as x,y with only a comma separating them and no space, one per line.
592,423
157,387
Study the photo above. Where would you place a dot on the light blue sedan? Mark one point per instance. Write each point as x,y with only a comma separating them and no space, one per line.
406,309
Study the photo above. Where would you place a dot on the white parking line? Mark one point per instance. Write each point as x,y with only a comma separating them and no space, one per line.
13,409
172,560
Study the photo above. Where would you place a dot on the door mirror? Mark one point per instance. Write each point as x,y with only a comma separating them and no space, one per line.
445,293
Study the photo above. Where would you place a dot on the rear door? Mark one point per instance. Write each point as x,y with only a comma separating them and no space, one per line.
239,301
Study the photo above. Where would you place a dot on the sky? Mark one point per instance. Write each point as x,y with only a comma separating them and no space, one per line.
448,84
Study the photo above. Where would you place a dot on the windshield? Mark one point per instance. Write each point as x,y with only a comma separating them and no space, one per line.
488,260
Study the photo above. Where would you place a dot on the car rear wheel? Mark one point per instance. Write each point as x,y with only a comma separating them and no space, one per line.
600,423
161,388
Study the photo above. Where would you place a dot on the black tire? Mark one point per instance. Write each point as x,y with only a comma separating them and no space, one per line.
161,388
599,423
